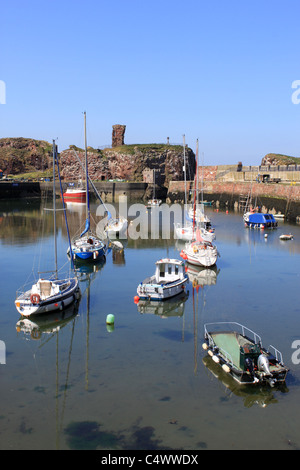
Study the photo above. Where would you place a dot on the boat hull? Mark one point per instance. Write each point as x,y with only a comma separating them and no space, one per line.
60,301
158,292
88,248
76,196
240,353
206,257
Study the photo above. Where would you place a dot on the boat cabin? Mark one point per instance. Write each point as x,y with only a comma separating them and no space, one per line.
168,270
45,288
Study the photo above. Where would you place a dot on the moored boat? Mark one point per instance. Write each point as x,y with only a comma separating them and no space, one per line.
239,351
259,220
87,246
51,294
200,253
117,226
286,236
168,281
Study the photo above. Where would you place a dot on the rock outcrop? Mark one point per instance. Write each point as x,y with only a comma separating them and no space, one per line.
128,162
275,159
20,155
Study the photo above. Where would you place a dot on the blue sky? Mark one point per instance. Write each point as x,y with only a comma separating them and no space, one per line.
220,71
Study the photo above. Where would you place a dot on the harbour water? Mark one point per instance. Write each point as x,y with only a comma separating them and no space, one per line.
72,382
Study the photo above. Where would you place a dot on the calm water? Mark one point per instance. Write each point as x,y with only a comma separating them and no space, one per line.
73,384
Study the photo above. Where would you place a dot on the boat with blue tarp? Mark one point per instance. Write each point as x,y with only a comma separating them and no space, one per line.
260,220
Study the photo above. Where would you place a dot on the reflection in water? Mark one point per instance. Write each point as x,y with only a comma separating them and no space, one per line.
165,309
200,276
49,324
262,396
130,384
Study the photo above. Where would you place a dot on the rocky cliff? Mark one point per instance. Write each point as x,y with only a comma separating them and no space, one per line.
128,162
278,159
20,155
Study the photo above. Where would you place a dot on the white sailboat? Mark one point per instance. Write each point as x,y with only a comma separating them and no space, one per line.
187,230
87,246
48,295
154,202
200,252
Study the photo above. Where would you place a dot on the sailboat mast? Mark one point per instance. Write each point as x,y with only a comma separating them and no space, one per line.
86,173
184,169
54,207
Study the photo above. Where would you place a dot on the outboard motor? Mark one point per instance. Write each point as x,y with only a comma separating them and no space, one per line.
263,364
250,366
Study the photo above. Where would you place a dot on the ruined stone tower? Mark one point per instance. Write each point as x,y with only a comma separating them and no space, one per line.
118,135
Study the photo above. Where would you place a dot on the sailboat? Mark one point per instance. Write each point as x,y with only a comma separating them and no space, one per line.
200,251
48,295
187,231
154,202
87,246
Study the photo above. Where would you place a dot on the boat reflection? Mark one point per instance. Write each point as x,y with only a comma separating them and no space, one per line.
164,309
260,395
201,276
49,324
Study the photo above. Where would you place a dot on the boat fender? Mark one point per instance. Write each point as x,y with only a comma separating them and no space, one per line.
215,359
210,353
204,346
35,299
226,368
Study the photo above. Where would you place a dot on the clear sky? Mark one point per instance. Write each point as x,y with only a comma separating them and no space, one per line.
217,70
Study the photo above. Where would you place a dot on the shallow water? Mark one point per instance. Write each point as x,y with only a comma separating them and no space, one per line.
146,383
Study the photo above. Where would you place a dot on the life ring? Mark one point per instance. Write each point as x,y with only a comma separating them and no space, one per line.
35,299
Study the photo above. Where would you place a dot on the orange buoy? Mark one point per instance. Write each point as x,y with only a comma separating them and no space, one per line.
136,299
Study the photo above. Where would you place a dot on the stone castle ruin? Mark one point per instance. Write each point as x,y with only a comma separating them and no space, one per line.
118,134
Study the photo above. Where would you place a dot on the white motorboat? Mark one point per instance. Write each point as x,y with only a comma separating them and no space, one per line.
48,295
286,237
168,281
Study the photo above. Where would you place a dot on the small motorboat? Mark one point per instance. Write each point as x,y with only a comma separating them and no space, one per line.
75,193
259,220
286,237
169,280
239,351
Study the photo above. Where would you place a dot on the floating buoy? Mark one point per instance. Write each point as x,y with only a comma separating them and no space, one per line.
266,235
110,319
136,299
